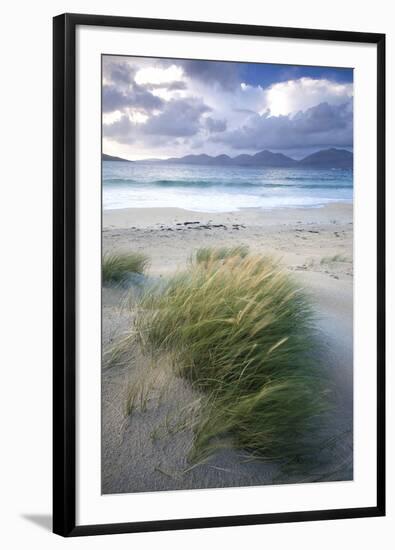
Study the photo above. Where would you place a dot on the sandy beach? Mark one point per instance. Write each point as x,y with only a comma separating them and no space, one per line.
316,246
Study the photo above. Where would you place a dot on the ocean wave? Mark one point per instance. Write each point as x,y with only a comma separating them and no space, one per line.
323,177
235,184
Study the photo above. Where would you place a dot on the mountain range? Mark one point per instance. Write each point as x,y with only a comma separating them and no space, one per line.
113,159
326,158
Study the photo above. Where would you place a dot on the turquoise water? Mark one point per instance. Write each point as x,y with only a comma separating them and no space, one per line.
221,188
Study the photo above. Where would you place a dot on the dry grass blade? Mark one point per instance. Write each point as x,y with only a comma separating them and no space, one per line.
116,267
238,327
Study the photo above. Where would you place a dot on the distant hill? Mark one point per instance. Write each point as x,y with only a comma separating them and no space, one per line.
117,159
328,158
199,159
267,158
264,158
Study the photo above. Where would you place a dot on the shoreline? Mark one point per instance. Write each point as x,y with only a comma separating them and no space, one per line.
124,217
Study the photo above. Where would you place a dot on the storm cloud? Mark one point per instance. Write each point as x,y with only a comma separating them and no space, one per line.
214,125
217,73
136,97
171,86
121,73
179,118
322,125
155,107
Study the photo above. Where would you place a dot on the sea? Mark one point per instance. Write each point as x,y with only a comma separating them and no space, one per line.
221,188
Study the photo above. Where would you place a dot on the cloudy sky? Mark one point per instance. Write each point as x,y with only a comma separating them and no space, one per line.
170,107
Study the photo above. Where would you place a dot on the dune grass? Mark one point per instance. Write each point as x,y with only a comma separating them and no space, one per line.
116,267
333,259
239,329
206,254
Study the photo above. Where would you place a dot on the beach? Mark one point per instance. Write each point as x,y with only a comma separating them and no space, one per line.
315,246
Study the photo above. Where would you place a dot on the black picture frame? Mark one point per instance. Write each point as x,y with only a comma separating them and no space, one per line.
64,272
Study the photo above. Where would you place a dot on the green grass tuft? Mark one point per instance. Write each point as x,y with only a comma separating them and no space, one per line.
204,255
241,331
116,267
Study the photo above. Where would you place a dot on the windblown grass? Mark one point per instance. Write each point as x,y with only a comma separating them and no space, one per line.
206,254
116,267
242,332
333,259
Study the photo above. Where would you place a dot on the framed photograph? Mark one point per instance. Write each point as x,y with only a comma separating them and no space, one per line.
219,274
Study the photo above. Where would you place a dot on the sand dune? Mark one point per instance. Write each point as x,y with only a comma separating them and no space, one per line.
316,245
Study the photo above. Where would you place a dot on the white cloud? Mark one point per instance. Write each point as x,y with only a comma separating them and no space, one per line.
289,97
110,118
158,75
